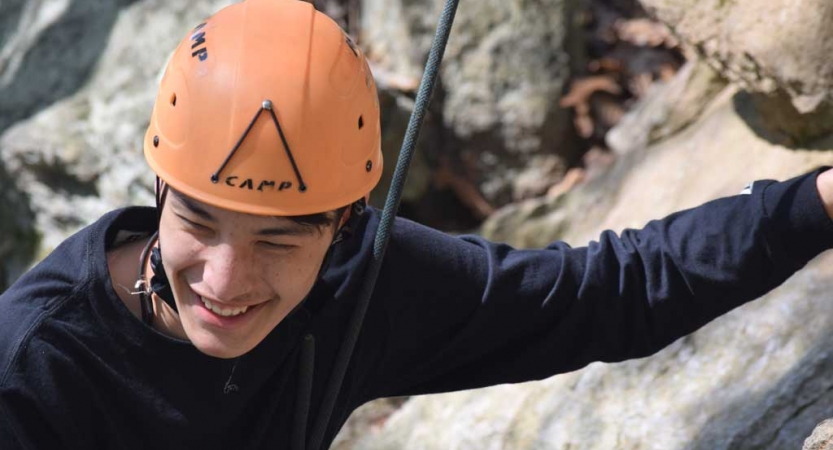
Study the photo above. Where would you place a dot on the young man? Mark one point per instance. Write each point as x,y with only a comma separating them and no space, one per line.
221,330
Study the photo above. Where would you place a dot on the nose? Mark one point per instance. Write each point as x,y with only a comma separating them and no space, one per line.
230,274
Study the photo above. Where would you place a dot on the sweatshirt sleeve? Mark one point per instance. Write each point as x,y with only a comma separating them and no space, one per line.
463,312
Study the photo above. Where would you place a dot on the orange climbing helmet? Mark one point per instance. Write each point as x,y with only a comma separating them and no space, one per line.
267,108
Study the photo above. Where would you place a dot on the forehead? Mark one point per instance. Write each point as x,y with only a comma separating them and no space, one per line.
211,213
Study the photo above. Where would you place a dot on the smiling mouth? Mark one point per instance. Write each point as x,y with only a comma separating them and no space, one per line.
225,312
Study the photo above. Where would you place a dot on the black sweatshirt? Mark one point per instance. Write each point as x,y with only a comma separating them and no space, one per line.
78,370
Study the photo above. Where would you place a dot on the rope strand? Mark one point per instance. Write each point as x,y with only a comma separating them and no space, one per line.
394,197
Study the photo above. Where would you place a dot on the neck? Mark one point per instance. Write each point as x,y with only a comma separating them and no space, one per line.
162,317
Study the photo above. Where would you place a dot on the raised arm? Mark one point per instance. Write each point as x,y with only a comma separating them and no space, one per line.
464,312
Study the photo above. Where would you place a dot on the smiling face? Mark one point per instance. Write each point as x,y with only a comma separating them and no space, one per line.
235,276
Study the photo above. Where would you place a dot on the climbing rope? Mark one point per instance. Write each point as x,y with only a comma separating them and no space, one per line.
426,88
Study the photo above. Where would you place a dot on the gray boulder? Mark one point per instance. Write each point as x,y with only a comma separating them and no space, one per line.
670,107
779,50
505,68
82,155
822,437
19,237
48,49
396,108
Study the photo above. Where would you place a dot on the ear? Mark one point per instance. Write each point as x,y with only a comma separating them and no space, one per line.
345,216
348,212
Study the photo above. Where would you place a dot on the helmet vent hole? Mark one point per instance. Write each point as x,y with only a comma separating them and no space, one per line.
173,99
361,122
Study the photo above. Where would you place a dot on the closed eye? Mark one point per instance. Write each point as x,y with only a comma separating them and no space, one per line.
276,245
193,224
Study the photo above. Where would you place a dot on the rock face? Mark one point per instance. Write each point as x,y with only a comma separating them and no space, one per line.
759,377
48,49
822,437
505,68
19,236
776,47
397,108
82,156
669,107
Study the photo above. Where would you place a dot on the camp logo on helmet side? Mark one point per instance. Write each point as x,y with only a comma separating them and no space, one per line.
352,46
249,184
198,39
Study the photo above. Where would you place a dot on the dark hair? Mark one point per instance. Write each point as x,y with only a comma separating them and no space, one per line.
319,220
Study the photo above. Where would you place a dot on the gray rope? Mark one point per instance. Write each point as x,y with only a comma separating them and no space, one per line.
394,197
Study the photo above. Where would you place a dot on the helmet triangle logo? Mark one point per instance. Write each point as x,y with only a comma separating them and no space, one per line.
265,106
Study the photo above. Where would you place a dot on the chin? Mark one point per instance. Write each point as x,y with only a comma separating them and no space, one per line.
217,348
225,344
218,336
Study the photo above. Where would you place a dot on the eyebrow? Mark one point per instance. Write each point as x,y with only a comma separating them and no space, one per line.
284,231
197,210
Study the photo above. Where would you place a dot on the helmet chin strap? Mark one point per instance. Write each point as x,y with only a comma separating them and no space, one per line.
159,284
345,230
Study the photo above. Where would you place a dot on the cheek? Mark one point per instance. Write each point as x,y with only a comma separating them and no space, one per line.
294,276
179,250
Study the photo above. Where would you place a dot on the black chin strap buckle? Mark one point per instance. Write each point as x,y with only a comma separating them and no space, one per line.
357,209
159,284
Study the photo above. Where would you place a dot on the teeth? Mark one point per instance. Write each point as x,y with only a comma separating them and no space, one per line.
223,312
